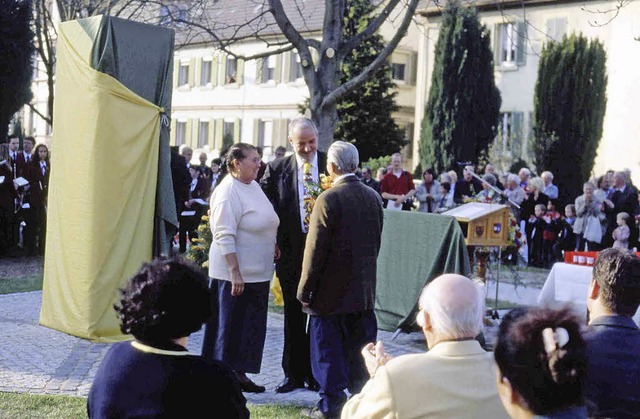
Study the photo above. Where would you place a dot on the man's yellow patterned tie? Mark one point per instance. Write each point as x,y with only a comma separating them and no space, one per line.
308,204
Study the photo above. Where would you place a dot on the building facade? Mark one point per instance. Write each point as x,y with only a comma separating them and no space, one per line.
519,30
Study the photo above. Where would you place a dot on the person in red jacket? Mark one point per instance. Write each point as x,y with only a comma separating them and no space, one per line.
397,188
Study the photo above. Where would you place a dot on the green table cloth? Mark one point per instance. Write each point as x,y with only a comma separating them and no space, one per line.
416,248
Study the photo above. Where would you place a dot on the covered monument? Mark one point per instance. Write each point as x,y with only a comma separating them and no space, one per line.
111,197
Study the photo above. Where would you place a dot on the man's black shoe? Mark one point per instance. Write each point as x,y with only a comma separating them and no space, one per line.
312,384
315,413
288,385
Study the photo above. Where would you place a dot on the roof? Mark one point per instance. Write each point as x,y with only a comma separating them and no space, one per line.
238,20
435,8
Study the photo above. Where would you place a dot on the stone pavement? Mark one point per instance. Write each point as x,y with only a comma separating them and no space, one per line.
38,360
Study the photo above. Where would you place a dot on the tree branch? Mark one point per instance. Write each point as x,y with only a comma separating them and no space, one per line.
371,29
334,96
37,112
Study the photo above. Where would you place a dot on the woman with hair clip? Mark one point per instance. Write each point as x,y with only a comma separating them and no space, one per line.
541,359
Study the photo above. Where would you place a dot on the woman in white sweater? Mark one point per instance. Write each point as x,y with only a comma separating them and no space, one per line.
244,226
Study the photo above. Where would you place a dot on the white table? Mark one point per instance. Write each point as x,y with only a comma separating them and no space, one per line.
569,283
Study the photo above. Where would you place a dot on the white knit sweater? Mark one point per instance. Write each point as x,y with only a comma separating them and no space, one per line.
243,222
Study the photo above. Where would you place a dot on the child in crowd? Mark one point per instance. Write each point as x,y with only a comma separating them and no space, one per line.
622,232
534,229
566,237
446,198
550,233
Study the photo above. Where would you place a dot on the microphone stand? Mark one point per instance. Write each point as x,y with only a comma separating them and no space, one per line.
494,313
494,188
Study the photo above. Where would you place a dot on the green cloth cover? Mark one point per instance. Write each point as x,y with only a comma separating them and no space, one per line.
416,248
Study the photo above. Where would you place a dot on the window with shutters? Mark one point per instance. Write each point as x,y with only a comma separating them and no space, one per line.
231,70
205,73
183,74
268,69
181,132
510,133
227,128
265,135
556,28
398,71
203,134
296,67
510,44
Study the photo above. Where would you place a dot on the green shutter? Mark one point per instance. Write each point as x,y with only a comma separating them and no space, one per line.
497,33
211,139
196,71
223,69
521,51
256,131
214,71
176,71
172,134
236,130
196,130
192,67
240,72
218,134
187,132
287,58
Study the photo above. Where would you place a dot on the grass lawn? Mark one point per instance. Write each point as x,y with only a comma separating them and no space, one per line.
21,284
28,406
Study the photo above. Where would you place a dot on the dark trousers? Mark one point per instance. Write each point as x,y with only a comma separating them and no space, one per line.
336,343
7,236
296,361
188,226
30,231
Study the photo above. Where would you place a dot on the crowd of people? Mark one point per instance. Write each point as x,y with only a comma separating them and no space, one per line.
24,187
324,248
605,215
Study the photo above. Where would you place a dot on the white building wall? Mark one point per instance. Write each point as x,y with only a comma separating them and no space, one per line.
620,143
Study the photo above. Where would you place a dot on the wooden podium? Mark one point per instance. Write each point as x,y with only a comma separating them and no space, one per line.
483,224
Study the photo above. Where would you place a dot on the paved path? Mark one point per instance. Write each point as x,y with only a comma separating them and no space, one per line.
38,360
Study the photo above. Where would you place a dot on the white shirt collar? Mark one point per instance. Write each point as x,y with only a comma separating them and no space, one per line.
336,180
314,161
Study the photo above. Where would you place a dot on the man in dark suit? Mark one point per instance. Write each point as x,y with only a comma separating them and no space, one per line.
25,157
613,338
467,187
338,283
283,184
368,180
622,198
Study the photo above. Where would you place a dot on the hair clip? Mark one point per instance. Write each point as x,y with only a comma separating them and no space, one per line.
554,339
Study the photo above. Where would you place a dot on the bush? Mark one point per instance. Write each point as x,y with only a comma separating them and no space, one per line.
376,163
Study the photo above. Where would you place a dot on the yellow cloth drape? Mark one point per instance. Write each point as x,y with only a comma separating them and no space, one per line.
102,192
276,291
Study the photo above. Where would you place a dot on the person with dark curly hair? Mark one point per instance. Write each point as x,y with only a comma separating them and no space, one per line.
154,375
542,364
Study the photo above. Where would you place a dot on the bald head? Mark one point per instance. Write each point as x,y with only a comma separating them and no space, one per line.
455,307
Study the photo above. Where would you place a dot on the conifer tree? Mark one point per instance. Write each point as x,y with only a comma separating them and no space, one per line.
364,115
463,107
569,106
16,54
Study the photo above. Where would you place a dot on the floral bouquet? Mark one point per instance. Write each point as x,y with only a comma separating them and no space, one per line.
315,189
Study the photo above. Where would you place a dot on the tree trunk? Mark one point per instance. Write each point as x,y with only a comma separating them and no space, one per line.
326,120
4,128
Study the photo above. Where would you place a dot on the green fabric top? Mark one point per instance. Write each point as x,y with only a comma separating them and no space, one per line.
416,248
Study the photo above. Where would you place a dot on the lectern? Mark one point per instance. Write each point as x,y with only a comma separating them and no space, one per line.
483,224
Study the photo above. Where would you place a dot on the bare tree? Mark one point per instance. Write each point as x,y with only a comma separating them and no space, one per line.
47,14
283,26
